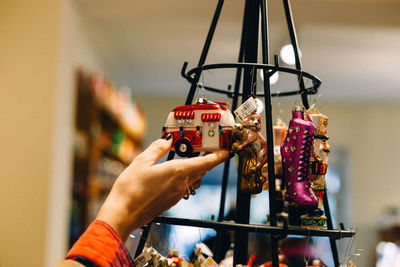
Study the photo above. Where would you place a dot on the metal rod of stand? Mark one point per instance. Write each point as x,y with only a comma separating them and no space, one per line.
217,247
250,43
332,241
224,186
269,132
273,68
239,70
242,216
268,115
234,106
143,239
259,228
204,53
293,39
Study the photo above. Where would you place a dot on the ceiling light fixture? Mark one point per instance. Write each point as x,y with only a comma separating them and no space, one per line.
287,54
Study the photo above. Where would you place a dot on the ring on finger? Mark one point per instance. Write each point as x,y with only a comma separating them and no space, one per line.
191,190
187,195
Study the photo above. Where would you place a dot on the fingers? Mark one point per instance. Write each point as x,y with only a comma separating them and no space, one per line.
154,152
204,163
192,168
196,178
209,161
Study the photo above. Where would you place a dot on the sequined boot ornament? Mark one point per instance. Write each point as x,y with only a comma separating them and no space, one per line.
296,150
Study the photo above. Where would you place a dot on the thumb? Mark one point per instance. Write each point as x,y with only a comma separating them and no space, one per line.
155,151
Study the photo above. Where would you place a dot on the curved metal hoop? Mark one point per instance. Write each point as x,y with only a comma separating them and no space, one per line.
189,76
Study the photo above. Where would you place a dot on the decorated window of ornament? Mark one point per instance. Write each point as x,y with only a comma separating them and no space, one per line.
184,115
210,117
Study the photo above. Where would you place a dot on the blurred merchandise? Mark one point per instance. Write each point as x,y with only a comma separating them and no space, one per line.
109,134
119,104
388,254
281,259
387,250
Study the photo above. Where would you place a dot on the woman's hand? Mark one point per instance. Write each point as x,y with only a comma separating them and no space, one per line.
144,190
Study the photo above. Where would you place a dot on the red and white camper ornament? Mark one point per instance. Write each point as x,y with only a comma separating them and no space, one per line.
203,126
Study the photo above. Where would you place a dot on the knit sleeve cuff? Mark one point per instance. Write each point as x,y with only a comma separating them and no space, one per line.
100,246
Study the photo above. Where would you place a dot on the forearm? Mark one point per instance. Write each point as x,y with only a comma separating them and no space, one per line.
141,192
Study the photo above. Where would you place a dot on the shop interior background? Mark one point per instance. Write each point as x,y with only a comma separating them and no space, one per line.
353,46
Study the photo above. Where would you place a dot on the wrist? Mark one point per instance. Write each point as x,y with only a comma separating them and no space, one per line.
117,218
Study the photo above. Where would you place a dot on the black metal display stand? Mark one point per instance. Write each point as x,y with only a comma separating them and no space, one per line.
247,64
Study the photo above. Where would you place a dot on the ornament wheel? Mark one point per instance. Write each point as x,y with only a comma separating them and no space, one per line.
183,148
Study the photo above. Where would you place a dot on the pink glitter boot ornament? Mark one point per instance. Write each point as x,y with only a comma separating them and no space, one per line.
296,150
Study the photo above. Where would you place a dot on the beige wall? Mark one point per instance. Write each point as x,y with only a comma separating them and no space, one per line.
74,51
42,42
28,71
370,135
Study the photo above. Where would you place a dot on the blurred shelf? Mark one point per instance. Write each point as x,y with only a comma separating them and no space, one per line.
109,132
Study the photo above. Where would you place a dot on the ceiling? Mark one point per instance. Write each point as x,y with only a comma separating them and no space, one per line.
353,46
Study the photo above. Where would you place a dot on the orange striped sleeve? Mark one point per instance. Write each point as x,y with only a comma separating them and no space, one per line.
101,246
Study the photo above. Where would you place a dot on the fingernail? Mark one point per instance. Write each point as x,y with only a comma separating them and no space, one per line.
165,137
